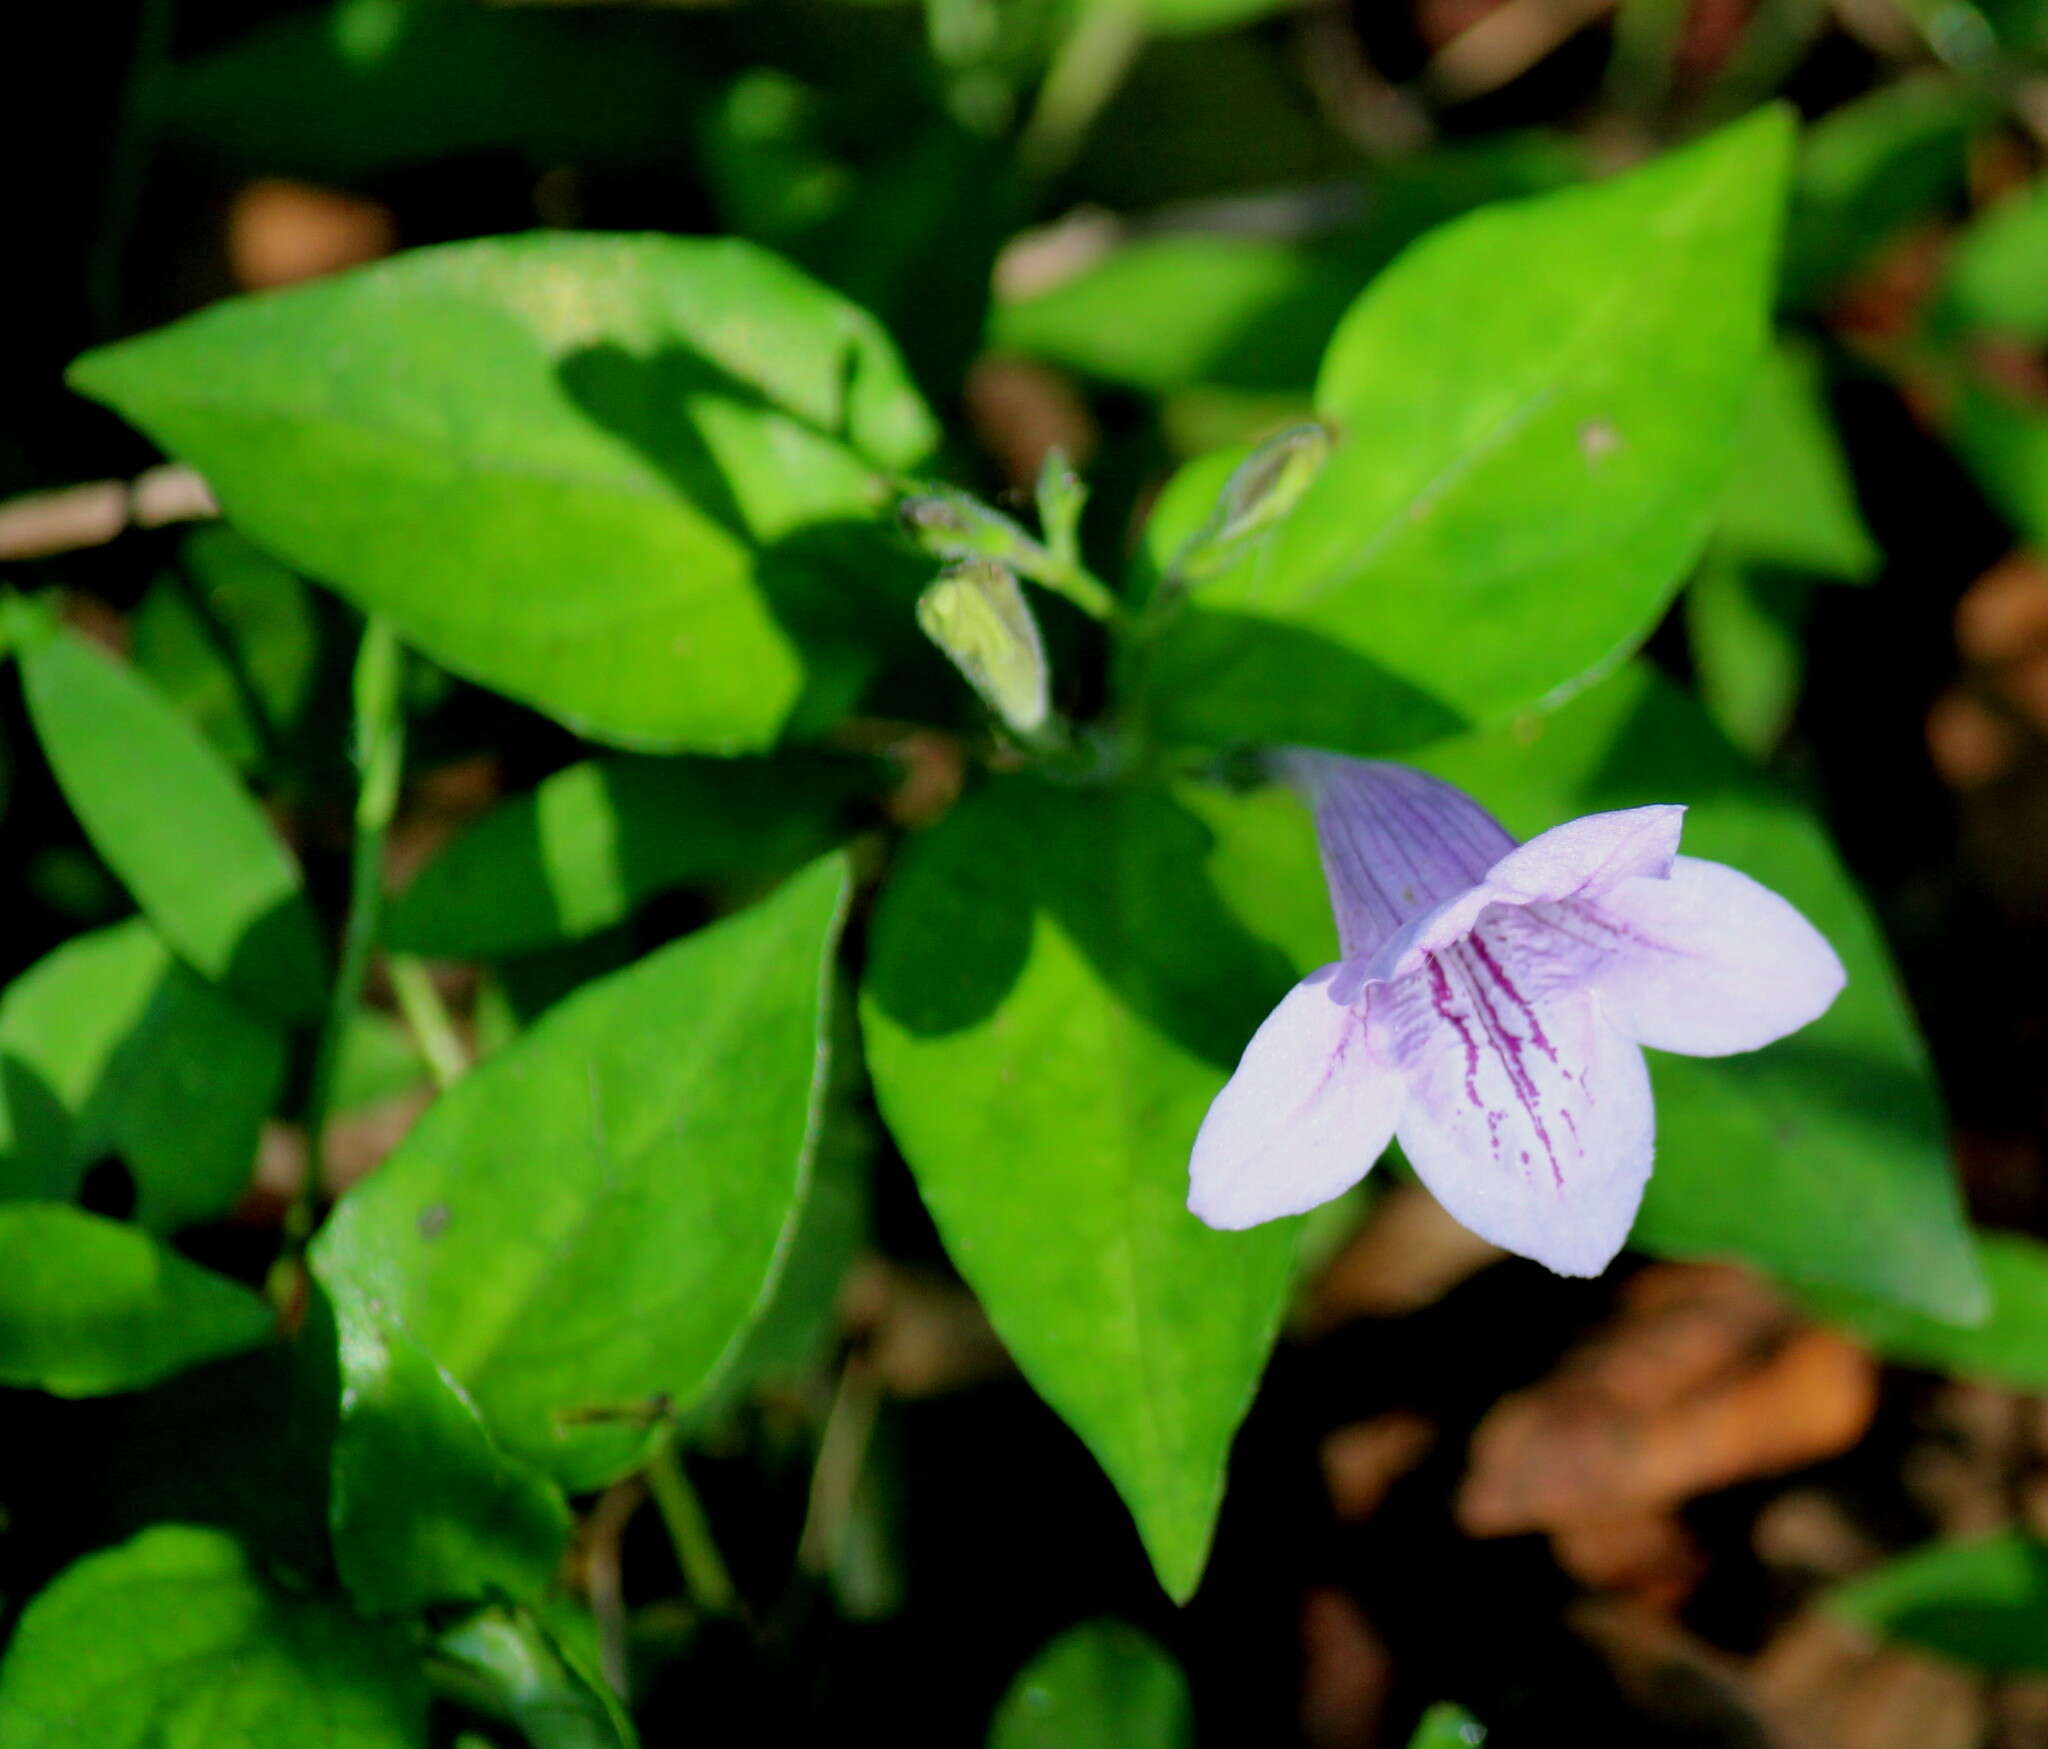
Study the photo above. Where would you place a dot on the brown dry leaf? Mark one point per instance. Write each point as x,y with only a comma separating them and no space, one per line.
1407,1255
2019,1713
1828,1685
922,1334
1649,1556
1969,743
1362,1461
1346,1672
1705,1378
2005,612
281,232
1807,1532
1699,1694
1964,1468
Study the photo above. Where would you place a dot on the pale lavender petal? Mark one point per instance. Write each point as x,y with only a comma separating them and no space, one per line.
1302,1120
1708,962
1396,843
1530,1120
1582,858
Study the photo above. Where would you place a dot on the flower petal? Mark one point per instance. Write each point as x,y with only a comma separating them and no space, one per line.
1302,1120
1580,859
1396,843
1709,962
1529,1120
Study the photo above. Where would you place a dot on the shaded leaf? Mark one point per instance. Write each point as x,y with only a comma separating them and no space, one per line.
89,1306
1054,985
585,848
110,1045
206,1652
2010,1347
1983,1602
425,1507
1102,1685
172,821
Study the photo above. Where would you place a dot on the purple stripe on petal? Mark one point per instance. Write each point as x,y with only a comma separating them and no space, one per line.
1396,844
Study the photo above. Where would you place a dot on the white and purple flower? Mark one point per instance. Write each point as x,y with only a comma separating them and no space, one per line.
1489,1010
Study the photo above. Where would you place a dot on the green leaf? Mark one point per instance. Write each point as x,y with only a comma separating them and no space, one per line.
1746,625
1446,1726
1995,279
172,1641
110,1045
1165,312
2005,444
1790,502
1054,985
1538,406
1983,1602
425,1508
232,641
591,1220
89,1306
173,822
592,842
1870,168
2010,1347
634,481
1823,1158
1102,1685
533,1678
355,90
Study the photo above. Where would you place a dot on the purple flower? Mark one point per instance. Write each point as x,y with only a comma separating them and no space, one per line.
1489,1008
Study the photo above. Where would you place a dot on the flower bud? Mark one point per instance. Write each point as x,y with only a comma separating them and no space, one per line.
977,614
957,527
1262,489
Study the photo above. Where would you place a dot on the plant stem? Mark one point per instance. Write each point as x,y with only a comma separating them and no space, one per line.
380,761
1085,72
689,1530
427,1018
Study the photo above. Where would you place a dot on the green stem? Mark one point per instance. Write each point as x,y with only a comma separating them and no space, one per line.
689,1530
1086,70
380,761
427,1017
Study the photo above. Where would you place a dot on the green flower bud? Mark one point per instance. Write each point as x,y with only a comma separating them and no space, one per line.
977,614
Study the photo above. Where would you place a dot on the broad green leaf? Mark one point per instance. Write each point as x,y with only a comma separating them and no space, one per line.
1056,989
172,821
1983,1602
89,1306
1102,1685
1746,626
1537,406
634,481
173,1641
585,1226
1446,1726
1872,167
2009,1348
1996,278
1789,502
425,1508
585,848
230,639
111,1045
1822,1158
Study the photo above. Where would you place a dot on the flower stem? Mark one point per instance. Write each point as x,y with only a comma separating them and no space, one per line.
689,1530
1085,73
428,1020
380,761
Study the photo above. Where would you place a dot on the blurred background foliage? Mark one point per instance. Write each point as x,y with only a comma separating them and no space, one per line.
1674,1505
